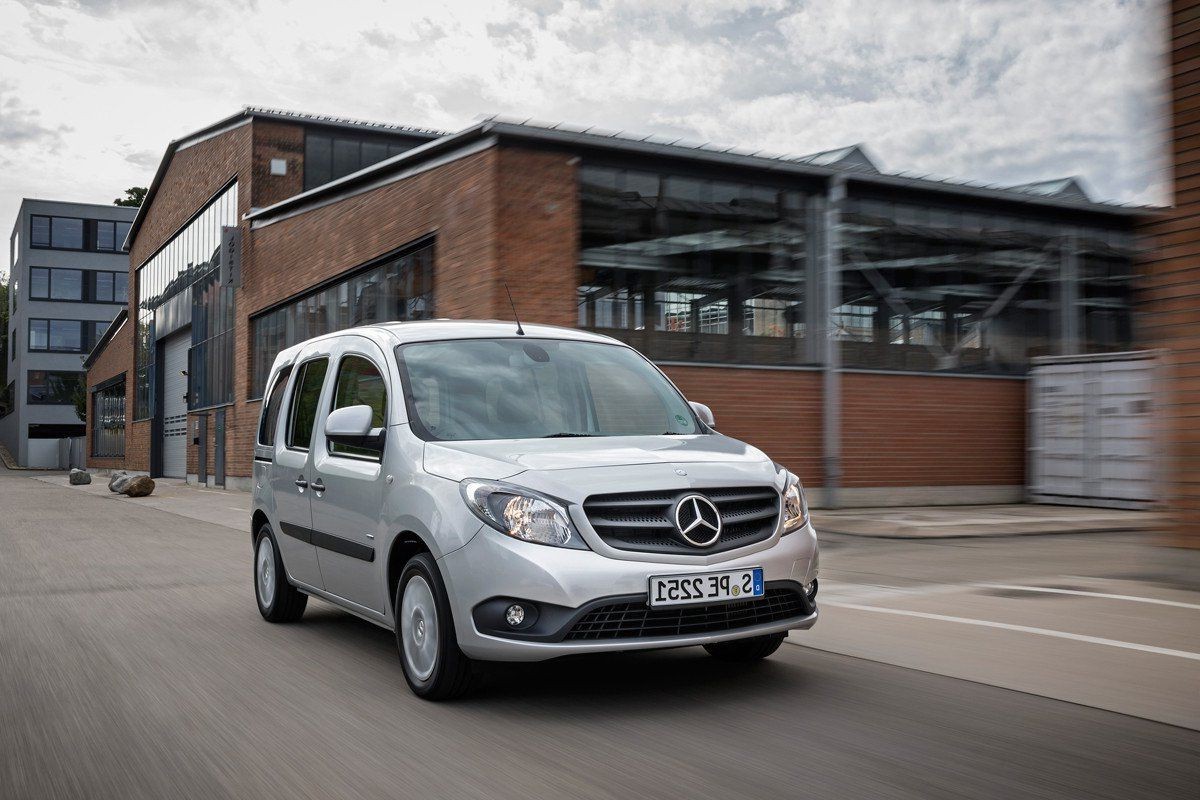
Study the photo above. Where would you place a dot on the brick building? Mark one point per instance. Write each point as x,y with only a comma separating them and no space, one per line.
1172,279
871,331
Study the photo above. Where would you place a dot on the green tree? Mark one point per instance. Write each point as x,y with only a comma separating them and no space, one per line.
79,396
134,196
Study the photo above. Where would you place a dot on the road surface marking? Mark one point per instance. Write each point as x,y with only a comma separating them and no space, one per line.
1083,593
1145,648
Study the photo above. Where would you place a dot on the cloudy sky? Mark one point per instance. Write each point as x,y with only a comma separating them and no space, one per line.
1004,91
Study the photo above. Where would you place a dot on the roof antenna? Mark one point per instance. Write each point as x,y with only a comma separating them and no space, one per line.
520,330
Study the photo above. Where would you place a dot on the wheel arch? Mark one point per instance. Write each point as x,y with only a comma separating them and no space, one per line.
257,520
404,546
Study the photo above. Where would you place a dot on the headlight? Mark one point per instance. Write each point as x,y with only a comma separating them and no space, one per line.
795,505
521,513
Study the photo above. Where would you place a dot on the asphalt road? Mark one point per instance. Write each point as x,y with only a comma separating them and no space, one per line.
133,664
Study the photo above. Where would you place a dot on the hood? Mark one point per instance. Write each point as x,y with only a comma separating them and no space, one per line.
503,458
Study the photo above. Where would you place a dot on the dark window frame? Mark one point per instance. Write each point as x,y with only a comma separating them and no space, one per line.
82,376
294,402
280,383
87,286
89,237
333,406
87,339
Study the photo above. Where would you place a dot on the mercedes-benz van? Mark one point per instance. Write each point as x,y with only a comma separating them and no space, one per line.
493,493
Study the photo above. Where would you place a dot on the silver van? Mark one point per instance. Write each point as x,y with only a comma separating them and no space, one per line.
492,493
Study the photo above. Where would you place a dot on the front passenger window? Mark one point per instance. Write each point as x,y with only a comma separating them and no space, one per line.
304,403
359,383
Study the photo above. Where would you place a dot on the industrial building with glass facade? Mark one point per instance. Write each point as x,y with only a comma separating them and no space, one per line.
871,331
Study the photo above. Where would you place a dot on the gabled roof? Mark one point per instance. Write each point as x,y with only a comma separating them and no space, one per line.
1070,188
248,113
109,333
851,162
852,157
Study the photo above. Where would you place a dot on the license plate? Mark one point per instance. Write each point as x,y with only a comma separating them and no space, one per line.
706,587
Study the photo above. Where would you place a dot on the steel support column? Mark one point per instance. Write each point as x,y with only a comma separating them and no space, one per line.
831,297
1070,311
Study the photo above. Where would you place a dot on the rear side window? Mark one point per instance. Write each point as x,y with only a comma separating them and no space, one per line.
359,383
304,402
270,415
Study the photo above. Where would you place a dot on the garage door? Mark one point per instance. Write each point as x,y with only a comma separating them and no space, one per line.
175,364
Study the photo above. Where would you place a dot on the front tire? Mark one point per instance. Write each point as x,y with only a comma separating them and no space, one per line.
746,650
434,666
278,600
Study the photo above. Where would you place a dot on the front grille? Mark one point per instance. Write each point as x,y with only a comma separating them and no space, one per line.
642,521
636,620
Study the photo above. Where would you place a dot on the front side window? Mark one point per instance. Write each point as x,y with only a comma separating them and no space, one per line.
473,389
304,403
359,383
266,428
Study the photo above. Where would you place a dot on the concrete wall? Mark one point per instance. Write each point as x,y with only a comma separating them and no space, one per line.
14,432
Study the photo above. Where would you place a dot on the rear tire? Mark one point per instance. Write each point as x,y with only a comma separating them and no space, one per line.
278,600
434,666
745,650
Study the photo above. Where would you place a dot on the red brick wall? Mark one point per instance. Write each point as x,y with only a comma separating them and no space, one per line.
277,140
777,411
539,236
194,175
1170,298
116,358
928,430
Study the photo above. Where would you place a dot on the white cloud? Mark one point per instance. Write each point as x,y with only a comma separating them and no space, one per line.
1005,91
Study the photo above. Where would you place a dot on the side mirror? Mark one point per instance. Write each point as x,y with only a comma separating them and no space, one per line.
351,427
704,413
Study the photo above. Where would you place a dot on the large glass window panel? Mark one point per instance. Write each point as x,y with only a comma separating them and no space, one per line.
359,382
39,231
400,289
318,160
51,387
346,157
39,283
106,235
920,295
104,286
692,269
67,233
39,334
66,335
373,153
66,284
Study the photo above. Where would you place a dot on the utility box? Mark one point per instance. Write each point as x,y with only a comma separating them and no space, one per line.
1092,440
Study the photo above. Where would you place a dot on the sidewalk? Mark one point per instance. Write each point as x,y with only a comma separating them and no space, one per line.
943,522
175,496
232,509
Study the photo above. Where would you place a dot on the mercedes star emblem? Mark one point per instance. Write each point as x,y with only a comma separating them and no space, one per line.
697,520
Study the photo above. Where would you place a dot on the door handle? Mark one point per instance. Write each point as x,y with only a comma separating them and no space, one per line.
318,485
303,484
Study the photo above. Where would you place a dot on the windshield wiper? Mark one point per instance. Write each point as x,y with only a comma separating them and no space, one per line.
566,434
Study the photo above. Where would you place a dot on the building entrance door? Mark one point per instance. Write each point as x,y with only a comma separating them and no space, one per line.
174,425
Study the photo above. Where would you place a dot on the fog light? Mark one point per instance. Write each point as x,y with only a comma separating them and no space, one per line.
514,615
810,589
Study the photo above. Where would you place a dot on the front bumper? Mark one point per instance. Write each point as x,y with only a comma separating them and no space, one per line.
493,566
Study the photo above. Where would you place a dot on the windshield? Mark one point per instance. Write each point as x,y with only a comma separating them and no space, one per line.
468,389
